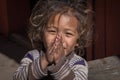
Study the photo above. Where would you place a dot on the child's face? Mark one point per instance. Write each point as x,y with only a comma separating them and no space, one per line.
66,27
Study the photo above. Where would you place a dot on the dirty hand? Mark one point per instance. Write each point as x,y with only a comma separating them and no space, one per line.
56,52
59,50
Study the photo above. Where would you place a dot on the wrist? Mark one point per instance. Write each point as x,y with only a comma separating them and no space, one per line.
56,67
60,70
44,62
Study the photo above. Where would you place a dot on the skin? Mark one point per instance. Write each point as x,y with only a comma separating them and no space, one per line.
60,38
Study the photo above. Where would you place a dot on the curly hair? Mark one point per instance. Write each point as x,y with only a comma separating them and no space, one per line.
45,9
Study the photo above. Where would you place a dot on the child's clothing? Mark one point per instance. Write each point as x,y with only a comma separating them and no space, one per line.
72,67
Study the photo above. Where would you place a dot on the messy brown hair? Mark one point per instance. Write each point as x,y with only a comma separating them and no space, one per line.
45,9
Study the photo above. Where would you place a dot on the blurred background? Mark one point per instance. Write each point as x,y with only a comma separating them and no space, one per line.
14,43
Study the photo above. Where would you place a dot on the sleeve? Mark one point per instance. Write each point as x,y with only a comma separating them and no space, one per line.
60,70
30,68
80,69
75,70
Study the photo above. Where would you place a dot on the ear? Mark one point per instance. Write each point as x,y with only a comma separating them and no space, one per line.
76,44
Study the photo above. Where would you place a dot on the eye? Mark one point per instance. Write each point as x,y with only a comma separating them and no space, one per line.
51,31
68,34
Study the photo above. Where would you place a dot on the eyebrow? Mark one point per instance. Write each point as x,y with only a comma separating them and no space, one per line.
51,27
70,30
67,28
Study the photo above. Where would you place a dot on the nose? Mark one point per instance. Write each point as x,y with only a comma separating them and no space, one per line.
62,38
58,37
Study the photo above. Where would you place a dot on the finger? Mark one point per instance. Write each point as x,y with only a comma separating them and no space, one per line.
50,50
61,47
54,45
59,51
53,49
49,58
58,54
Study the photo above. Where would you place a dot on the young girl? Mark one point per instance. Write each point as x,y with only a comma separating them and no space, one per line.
58,33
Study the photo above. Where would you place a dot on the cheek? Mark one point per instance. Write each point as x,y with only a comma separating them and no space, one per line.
70,44
48,40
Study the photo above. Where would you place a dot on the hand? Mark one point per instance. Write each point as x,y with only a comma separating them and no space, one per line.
56,51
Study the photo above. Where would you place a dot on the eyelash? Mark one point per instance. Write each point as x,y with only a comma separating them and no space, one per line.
51,31
69,34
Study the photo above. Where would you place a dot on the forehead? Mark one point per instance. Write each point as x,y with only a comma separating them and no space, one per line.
63,19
